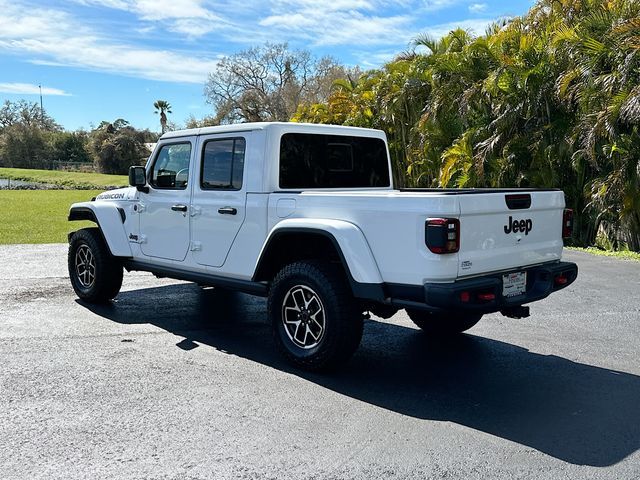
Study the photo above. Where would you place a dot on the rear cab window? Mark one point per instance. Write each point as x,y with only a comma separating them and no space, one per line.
332,161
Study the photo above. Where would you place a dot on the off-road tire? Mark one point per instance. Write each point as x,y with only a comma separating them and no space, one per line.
446,323
104,278
343,321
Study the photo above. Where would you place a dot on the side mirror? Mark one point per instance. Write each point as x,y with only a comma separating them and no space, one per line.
138,178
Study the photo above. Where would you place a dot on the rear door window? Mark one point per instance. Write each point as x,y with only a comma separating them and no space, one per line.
223,164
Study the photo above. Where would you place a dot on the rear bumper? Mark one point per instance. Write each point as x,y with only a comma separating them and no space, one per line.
542,281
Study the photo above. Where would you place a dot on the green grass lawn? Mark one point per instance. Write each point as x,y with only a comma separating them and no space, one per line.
39,216
76,180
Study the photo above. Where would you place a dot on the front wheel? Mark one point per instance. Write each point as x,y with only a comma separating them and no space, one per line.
443,323
314,317
96,276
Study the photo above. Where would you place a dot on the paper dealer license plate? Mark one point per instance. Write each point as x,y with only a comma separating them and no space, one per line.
514,284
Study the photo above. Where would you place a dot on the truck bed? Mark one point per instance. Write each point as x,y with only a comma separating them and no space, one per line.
393,222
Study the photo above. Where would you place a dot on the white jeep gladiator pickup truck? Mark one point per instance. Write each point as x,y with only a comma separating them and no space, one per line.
307,215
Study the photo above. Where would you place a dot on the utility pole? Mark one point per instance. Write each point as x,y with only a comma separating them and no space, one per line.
41,109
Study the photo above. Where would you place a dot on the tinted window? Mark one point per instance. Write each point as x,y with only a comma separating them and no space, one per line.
332,161
223,164
171,168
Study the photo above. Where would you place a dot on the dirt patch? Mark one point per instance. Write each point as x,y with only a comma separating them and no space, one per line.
33,293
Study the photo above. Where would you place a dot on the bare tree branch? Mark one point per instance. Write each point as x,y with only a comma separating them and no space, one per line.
268,83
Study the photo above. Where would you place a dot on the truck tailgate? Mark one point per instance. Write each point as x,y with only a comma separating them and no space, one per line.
502,231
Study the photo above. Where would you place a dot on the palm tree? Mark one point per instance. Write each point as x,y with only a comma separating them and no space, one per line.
162,107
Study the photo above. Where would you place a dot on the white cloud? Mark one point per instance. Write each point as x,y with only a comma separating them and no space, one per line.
188,17
53,37
119,4
154,9
368,59
30,89
475,26
357,23
167,9
16,22
339,22
435,5
87,52
478,7
329,6
374,60
192,27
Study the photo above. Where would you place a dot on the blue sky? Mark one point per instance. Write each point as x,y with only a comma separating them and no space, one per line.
106,59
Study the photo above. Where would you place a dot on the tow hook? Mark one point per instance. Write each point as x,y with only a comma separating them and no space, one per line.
516,312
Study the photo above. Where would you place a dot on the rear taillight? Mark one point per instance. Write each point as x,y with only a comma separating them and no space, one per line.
567,223
442,235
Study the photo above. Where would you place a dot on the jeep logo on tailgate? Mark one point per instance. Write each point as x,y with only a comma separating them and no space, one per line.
516,226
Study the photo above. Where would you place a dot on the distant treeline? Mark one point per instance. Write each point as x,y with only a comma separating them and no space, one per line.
30,138
551,99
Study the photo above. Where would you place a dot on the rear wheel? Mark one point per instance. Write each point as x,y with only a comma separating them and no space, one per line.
315,320
96,276
443,323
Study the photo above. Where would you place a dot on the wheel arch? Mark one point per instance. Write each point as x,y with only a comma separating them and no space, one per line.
110,221
334,240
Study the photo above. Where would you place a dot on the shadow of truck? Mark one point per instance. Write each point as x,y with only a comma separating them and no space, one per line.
578,413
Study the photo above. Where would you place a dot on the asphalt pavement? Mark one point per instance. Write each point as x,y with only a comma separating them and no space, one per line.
175,382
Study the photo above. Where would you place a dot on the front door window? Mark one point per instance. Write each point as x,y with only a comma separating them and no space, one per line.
171,169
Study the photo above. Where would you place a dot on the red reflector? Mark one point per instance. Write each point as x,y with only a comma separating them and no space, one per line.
465,297
561,280
486,296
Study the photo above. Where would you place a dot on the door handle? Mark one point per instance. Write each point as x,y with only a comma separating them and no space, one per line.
179,208
227,211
